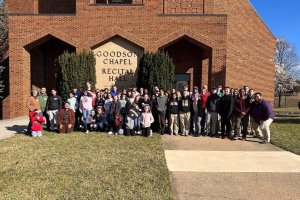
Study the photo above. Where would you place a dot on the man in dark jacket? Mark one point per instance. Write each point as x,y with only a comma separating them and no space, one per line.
53,105
226,108
240,110
262,113
212,106
197,115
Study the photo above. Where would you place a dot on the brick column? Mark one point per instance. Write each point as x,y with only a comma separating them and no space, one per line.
205,71
19,82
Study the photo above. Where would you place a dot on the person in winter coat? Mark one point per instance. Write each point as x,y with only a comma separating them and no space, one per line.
212,106
137,107
36,123
146,121
100,119
43,100
197,114
204,95
241,108
174,110
226,109
32,105
185,113
54,104
66,119
86,107
130,117
72,100
161,108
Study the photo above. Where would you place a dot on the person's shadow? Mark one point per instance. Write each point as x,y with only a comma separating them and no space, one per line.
18,129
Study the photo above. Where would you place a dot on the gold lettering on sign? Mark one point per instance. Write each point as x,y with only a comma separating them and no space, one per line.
116,63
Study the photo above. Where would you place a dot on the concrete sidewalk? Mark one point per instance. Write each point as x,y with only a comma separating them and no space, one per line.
11,127
212,168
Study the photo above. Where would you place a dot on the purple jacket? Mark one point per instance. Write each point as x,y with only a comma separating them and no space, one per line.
261,111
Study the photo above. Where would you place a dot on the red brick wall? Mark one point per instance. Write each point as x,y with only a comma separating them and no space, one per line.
235,46
21,6
250,49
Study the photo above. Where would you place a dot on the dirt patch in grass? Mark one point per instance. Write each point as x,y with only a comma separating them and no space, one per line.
77,166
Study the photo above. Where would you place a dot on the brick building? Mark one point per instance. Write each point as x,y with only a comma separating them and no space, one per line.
211,41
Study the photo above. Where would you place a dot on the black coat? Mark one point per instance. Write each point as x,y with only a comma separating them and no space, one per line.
226,106
213,103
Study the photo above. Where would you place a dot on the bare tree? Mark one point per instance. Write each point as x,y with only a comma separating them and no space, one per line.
287,65
3,39
286,56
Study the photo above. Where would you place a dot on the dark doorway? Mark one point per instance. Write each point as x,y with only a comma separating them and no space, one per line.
43,54
188,56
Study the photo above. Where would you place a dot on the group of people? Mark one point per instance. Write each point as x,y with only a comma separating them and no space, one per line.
226,113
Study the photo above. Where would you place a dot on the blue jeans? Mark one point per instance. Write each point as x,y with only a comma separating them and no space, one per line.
137,122
101,126
85,114
36,133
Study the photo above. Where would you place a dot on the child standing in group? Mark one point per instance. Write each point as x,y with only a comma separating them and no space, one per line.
36,123
130,117
146,121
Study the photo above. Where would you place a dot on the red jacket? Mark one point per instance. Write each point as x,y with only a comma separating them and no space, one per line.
204,99
36,121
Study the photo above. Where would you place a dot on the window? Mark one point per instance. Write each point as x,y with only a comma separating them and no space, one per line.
57,7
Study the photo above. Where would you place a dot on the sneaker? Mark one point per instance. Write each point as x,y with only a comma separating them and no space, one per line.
244,138
151,132
110,133
87,132
235,138
224,137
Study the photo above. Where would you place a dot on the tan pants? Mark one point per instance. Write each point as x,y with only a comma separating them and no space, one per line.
174,124
185,120
265,128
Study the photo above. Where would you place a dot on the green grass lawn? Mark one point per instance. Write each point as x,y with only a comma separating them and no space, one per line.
285,133
287,110
78,166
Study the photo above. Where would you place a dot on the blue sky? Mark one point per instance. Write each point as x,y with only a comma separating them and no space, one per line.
282,17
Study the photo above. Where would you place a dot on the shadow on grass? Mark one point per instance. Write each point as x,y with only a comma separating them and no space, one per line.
18,129
287,120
